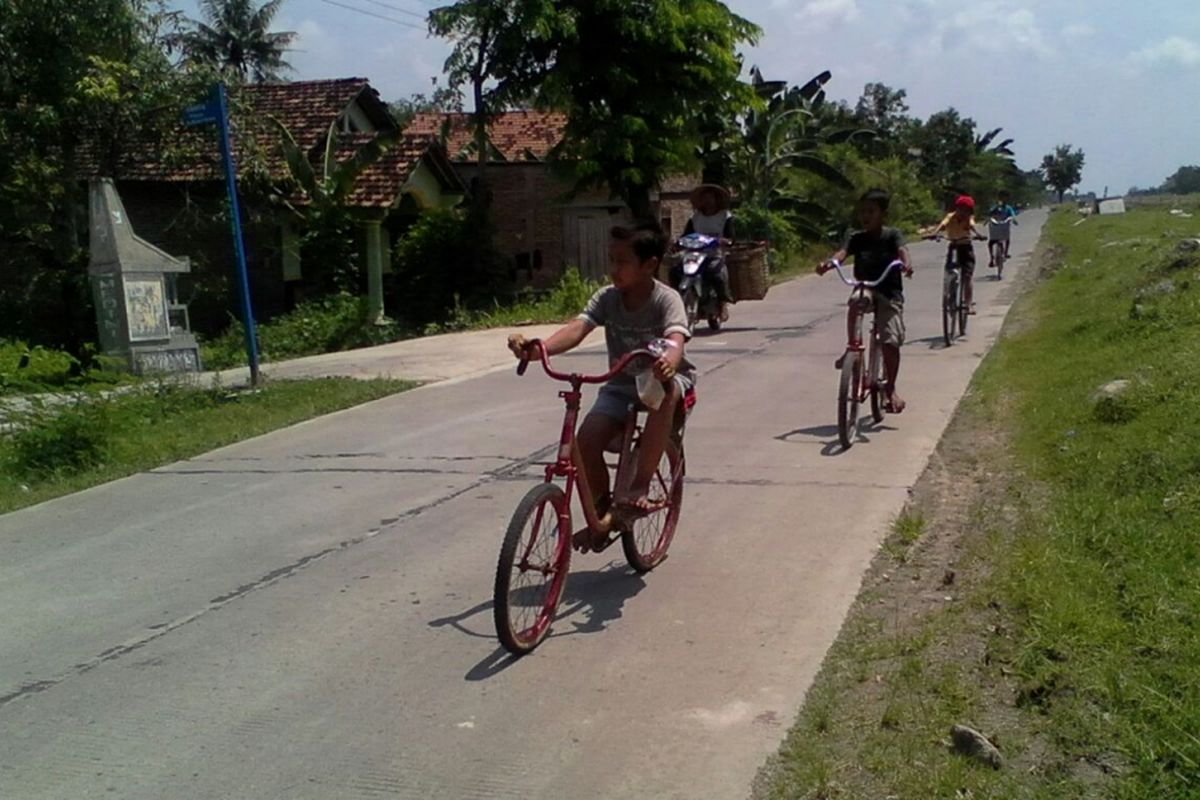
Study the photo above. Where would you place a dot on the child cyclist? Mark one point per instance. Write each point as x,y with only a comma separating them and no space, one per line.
960,228
874,248
1001,218
634,310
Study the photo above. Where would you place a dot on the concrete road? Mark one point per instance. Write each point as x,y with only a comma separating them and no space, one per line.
308,614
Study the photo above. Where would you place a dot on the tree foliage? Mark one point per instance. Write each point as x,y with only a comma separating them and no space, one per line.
235,38
72,73
1063,168
637,81
1185,180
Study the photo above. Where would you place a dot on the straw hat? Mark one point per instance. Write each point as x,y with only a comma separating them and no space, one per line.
722,195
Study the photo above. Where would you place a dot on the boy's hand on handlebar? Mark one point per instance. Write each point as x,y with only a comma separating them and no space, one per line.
521,347
665,367
824,267
908,271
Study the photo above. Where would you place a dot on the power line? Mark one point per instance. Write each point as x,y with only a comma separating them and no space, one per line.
364,12
396,8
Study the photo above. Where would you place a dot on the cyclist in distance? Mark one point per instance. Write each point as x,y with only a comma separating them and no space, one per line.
874,247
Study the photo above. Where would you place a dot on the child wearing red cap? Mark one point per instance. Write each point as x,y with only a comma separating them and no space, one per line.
959,226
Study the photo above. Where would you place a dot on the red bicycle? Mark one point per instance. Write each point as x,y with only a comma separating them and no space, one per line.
857,384
536,555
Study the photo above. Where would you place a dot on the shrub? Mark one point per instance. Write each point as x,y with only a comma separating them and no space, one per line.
328,324
445,261
61,441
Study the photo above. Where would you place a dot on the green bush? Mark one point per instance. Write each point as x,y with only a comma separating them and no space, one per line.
25,369
444,263
329,324
61,441
564,301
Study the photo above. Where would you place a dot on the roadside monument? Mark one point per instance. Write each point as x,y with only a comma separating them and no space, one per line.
138,313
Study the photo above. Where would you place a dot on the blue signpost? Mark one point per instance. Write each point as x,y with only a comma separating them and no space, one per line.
216,110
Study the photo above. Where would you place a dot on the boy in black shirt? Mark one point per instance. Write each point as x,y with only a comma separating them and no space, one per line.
873,248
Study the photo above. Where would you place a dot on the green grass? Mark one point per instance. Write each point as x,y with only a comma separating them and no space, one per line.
1074,636
59,450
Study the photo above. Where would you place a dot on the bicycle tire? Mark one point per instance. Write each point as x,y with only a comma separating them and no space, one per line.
949,312
848,399
964,308
875,382
1000,263
691,307
518,633
646,544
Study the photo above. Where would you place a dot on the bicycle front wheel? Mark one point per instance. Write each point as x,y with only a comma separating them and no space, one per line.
848,399
532,570
964,308
875,382
646,543
949,310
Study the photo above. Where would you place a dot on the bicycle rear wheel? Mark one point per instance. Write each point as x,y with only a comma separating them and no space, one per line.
1000,262
848,399
532,571
949,311
646,543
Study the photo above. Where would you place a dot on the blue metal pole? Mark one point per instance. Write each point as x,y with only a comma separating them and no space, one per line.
235,214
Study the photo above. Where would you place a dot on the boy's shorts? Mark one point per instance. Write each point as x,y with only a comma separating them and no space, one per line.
889,318
965,255
614,400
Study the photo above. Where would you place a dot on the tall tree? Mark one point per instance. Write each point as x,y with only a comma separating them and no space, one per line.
943,147
884,110
501,49
1063,168
236,38
74,74
636,81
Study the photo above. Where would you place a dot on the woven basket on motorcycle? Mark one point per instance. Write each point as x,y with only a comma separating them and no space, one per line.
749,273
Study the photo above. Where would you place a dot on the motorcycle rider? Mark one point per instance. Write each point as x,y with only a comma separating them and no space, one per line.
711,217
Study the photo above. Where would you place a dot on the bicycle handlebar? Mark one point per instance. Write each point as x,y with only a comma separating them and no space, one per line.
854,283
615,370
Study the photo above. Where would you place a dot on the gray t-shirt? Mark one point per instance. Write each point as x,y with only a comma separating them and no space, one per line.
627,330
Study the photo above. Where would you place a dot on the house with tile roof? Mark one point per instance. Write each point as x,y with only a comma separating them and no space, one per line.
538,225
166,188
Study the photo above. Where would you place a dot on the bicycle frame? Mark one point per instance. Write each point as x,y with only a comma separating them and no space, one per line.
858,304
568,463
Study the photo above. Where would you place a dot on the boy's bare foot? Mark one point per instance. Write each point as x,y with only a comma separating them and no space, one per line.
638,499
894,404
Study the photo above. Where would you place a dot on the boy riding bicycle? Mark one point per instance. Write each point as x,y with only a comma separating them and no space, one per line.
634,310
1001,218
874,248
960,229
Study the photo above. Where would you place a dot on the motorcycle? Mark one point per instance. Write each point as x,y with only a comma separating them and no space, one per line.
698,258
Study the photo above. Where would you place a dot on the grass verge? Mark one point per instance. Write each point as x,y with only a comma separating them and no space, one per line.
58,450
1047,596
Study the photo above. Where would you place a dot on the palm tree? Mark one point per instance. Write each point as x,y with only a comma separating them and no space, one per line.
235,37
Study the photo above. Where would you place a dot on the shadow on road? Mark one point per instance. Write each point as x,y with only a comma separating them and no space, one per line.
932,342
592,599
830,447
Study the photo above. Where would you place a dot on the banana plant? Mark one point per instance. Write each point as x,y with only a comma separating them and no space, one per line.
784,135
329,240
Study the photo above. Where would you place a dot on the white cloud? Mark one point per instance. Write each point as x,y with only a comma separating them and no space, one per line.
992,29
1078,30
829,11
1172,51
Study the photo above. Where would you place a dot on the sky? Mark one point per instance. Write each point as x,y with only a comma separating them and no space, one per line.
1118,79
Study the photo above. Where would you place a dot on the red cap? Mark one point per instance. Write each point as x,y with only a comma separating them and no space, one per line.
965,201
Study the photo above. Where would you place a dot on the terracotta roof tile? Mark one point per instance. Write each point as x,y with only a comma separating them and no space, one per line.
515,135
306,108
